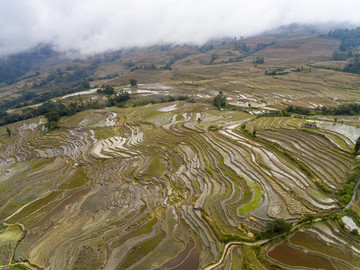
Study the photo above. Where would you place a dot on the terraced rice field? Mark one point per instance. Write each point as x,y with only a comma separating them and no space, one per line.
318,246
153,188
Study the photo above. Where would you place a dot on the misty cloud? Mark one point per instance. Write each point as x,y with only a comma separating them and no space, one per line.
94,26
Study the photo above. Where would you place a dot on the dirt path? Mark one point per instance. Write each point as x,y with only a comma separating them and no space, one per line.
353,198
228,247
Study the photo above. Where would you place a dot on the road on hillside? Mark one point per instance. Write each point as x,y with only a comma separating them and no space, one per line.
353,198
230,245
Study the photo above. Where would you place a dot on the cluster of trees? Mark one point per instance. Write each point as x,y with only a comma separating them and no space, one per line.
129,64
346,192
14,66
107,77
357,145
214,127
31,97
177,57
214,56
161,100
45,109
55,110
353,66
70,76
344,109
52,110
276,71
297,109
167,67
53,118
349,48
350,38
259,60
165,47
242,47
146,67
106,90
234,59
62,83
119,98
133,82
261,46
340,56
206,47
273,228
282,71
219,100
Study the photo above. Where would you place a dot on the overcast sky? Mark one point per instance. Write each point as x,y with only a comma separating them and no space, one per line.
97,25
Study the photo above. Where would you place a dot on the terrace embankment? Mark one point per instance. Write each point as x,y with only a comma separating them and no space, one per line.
155,187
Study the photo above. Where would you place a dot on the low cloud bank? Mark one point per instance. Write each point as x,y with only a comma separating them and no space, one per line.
94,26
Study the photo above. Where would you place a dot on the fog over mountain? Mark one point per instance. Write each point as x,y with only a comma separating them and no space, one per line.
95,26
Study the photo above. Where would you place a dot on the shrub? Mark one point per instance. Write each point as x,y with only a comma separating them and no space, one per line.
273,228
219,100
133,82
214,128
106,89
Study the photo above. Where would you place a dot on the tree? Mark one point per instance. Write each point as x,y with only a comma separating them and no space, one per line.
129,63
106,89
8,131
219,100
259,60
133,82
278,226
353,66
73,108
53,119
214,56
357,145
53,116
119,98
275,227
